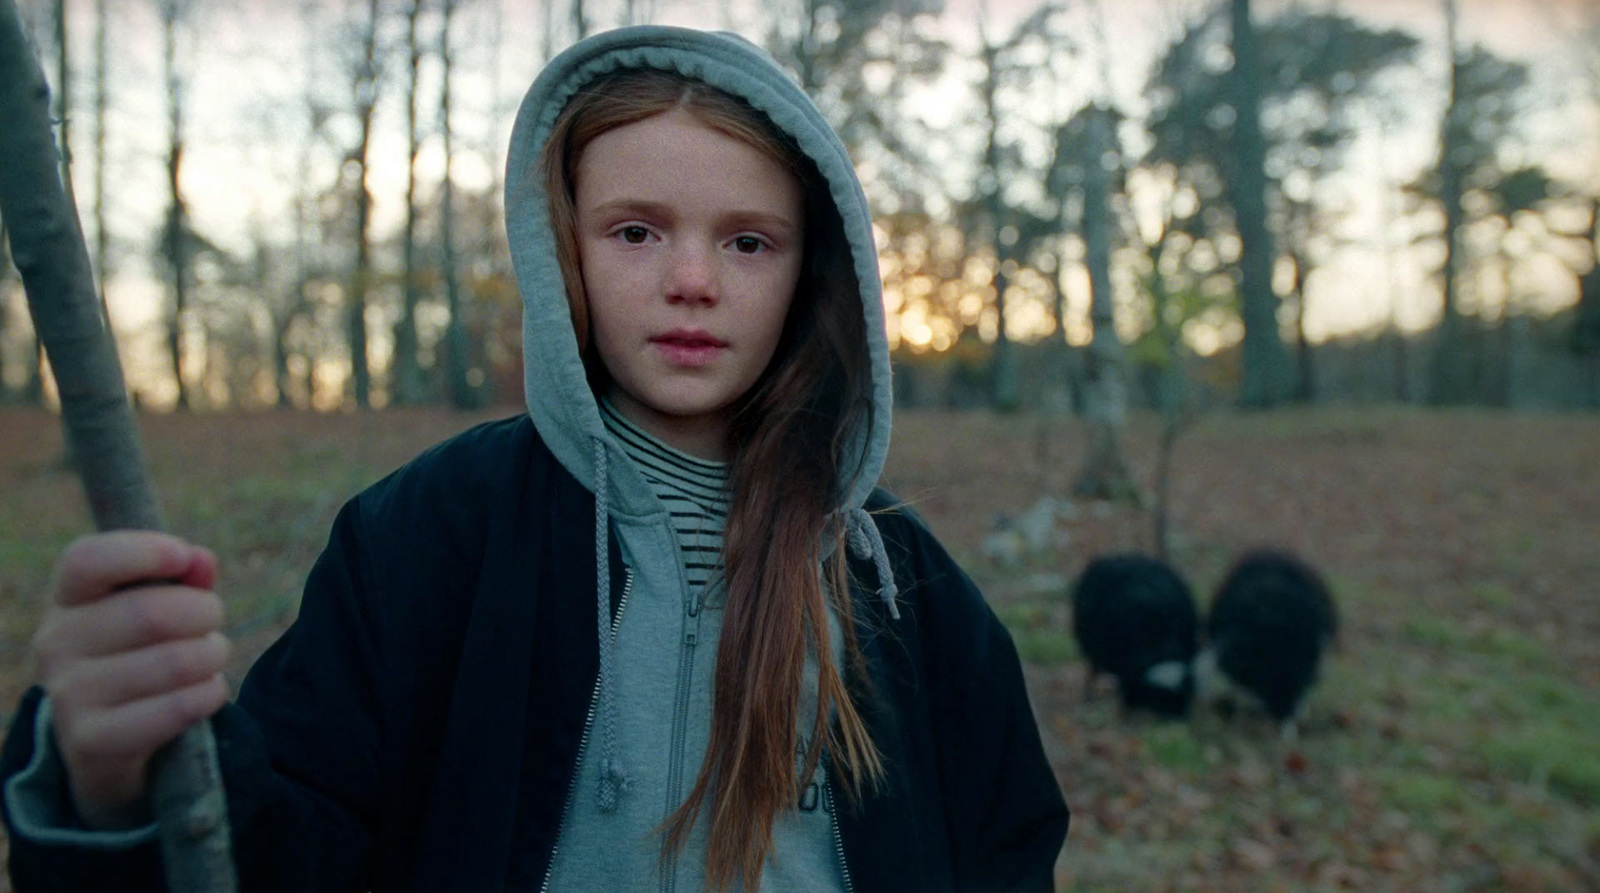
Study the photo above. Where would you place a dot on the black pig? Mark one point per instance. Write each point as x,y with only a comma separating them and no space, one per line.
1135,619
1269,624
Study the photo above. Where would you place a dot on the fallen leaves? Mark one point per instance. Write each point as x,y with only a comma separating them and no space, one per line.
1460,541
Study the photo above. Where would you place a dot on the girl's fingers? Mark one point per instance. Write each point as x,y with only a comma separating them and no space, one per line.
118,679
134,619
96,566
202,570
132,732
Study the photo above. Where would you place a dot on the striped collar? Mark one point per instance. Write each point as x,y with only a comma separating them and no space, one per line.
673,474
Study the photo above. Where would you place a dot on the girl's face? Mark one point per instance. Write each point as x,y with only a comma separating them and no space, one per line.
690,243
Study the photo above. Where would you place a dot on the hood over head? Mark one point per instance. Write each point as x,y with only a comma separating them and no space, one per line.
564,408
560,401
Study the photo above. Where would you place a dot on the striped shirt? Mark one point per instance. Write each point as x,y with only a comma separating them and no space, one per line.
694,491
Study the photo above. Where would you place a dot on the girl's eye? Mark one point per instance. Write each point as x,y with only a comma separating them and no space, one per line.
634,235
747,244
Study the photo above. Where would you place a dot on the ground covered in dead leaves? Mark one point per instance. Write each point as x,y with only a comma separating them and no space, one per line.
1452,745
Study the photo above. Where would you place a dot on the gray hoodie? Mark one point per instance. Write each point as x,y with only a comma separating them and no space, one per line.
651,711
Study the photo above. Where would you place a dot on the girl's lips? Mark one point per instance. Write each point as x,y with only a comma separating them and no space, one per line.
684,347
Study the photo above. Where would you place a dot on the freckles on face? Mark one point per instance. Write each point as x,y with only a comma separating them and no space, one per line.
690,243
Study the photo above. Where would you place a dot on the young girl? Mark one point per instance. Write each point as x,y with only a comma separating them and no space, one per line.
646,637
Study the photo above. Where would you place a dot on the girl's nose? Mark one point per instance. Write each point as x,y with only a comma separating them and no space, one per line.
692,277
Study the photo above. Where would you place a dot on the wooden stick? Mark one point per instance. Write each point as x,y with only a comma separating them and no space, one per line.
48,248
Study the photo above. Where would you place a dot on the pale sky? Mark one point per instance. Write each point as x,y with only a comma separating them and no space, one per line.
247,83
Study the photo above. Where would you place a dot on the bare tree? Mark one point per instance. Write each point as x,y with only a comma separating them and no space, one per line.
463,394
406,372
1105,472
1004,388
1089,153
580,22
637,12
547,30
1447,374
364,91
175,241
293,306
1399,357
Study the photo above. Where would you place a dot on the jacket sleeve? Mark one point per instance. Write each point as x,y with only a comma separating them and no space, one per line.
1003,808
297,754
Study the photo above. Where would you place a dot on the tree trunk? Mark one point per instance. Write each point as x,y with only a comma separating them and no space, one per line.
282,353
1399,362
175,238
1264,377
1305,384
463,395
547,30
1400,365
406,372
805,52
1171,397
1005,394
366,98
1171,429
49,249
1105,470
580,23
1003,365
296,301
1448,371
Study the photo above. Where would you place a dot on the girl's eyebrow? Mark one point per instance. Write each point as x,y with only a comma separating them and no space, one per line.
633,206
764,220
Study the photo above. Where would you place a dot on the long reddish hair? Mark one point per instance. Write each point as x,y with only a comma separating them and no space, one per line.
788,439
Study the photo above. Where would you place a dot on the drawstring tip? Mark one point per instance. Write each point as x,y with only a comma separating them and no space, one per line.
613,784
866,542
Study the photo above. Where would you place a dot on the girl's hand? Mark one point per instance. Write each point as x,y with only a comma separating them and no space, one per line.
131,653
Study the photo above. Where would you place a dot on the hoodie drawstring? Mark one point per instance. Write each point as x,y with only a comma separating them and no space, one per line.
867,542
613,777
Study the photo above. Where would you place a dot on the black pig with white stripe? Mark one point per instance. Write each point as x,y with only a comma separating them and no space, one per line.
1135,619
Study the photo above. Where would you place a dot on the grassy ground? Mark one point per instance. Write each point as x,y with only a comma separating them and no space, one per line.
1454,743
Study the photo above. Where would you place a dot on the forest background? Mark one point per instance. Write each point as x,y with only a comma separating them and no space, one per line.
1405,209
1379,221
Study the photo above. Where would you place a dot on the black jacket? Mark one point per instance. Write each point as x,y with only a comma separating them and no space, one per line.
417,727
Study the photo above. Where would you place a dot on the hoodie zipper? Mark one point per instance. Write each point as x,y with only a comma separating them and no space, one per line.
583,742
838,838
680,724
